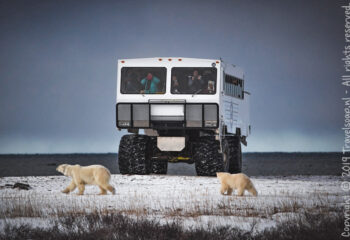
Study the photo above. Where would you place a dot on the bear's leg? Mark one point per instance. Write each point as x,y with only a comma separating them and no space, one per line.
223,189
250,188
240,192
229,191
103,191
70,187
109,188
253,191
81,188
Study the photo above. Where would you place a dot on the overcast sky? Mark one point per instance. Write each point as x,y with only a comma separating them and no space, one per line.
58,67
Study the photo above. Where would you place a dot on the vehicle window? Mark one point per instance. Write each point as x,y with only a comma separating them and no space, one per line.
189,80
234,86
143,80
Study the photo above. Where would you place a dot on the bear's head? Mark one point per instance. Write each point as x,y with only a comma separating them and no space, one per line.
220,175
64,169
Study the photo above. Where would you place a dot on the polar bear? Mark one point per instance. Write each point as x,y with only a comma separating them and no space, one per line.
93,174
239,181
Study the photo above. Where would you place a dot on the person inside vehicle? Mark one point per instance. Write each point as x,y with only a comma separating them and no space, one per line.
175,86
131,85
150,84
195,82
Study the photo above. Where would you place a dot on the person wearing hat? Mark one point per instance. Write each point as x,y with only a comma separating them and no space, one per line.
150,83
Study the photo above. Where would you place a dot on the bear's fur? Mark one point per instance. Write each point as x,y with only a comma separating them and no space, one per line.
94,175
239,181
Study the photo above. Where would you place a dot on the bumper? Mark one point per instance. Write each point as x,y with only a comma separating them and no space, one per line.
167,115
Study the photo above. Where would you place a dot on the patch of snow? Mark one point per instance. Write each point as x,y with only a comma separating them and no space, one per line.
192,201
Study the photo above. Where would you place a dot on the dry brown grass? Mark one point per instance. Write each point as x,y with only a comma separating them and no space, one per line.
34,206
87,216
116,226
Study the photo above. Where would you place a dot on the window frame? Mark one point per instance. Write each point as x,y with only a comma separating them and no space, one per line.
122,84
215,86
240,82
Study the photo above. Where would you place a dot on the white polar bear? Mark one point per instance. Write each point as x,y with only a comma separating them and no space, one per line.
94,175
239,181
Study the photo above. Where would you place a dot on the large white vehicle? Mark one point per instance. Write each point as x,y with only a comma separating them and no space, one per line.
181,109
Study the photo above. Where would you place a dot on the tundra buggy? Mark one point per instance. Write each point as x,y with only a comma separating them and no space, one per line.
181,110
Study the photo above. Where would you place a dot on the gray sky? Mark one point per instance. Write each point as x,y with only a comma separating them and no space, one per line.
58,67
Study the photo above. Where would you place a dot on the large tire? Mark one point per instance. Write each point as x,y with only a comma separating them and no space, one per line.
134,154
157,166
232,154
208,160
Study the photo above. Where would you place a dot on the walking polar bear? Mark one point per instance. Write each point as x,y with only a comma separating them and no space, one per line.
239,181
94,175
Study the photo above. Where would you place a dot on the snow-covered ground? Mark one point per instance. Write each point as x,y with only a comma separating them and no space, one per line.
192,201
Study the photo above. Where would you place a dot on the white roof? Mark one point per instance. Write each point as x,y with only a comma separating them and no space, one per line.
179,61
167,58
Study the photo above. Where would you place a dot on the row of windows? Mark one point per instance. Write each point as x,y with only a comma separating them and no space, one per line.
184,80
234,86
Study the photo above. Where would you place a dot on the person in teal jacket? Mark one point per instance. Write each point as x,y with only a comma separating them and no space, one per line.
150,83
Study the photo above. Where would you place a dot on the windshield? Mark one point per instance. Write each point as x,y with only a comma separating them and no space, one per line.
143,80
189,80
